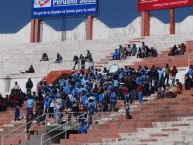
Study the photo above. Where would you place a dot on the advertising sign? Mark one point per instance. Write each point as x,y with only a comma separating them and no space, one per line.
162,4
59,8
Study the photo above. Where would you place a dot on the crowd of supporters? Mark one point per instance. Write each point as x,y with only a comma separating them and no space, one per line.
80,61
177,50
140,52
99,90
45,57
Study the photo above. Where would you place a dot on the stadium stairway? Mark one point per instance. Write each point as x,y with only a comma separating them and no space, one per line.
161,60
18,57
15,131
27,51
7,123
158,122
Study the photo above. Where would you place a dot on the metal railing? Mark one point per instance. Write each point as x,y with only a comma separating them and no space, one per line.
23,134
46,140
22,130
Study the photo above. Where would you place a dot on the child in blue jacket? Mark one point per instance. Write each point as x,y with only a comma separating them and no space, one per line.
17,112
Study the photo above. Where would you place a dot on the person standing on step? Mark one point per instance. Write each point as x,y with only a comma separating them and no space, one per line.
17,112
91,108
88,56
133,88
173,73
160,77
113,100
76,60
82,61
29,112
91,64
140,93
167,74
125,94
29,86
188,82
57,112
127,111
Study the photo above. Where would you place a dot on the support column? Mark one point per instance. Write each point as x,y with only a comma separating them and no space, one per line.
35,31
89,28
145,23
32,31
172,21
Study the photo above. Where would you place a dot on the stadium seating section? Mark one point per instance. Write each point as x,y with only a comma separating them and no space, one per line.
156,122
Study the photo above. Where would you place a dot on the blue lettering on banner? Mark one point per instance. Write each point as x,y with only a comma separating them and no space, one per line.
59,8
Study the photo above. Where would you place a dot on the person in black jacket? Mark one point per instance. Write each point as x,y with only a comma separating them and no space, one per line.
75,59
44,57
31,69
59,58
29,86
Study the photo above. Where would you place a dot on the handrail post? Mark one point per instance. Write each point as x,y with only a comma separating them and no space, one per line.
45,128
44,138
16,129
79,65
41,140
65,125
25,129
65,132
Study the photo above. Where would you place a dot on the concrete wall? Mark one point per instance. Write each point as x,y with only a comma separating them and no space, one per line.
21,36
185,26
6,84
115,19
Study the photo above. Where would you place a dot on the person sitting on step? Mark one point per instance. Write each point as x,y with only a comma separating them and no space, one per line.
31,69
174,90
116,55
59,58
44,57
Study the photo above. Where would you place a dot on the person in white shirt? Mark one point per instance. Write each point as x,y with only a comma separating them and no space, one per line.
16,86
